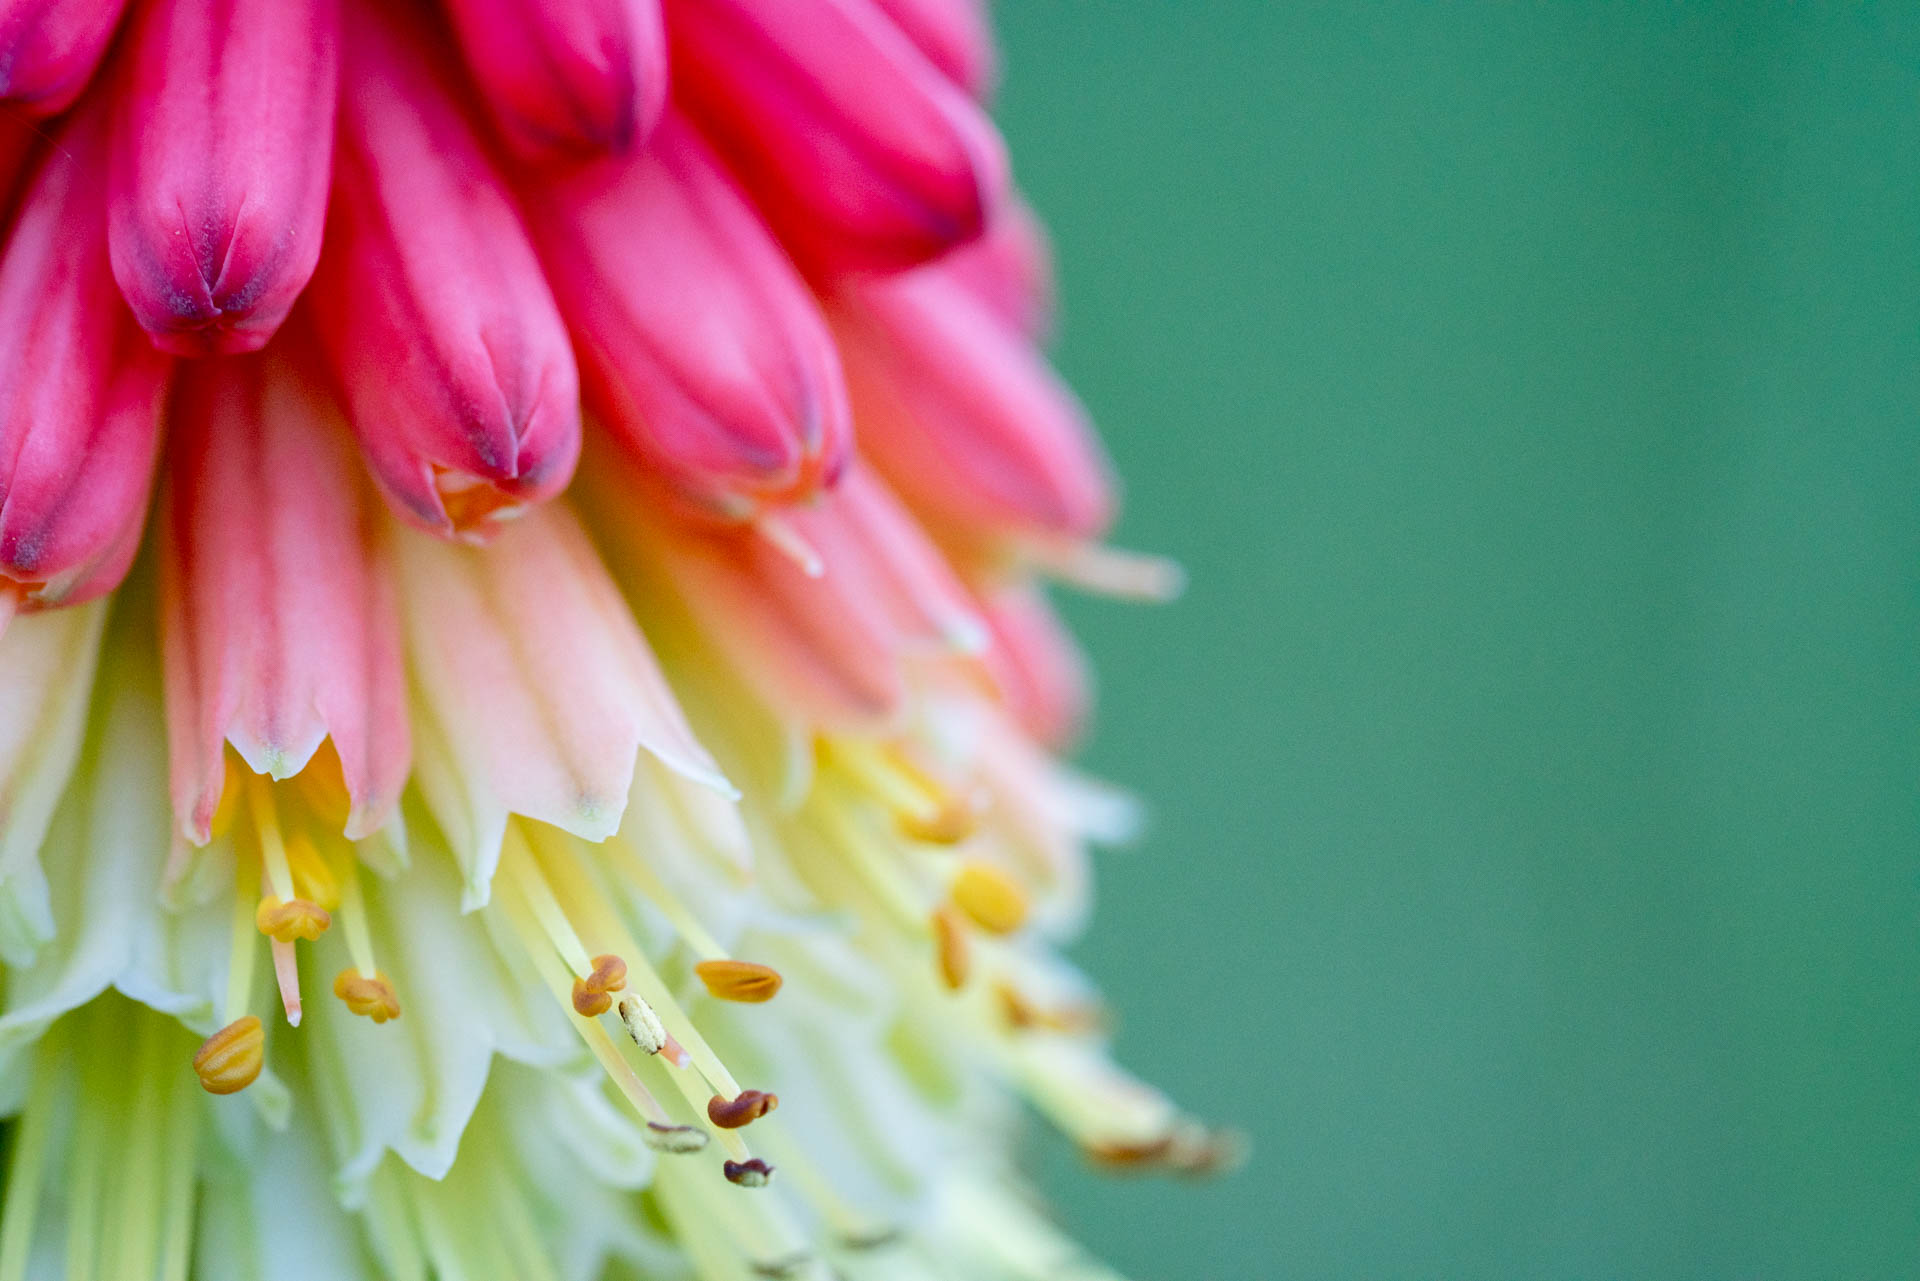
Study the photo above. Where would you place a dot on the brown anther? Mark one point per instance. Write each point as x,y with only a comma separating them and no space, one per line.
292,919
370,997
952,947
748,1174
674,1138
1024,1015
749,1105
592,995
990,898
741,981
950,824
230,1060
1131,1157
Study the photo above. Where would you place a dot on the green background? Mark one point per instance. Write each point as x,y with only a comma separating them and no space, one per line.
1531,392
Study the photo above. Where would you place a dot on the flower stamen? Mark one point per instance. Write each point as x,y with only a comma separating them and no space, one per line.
746,982
990,898
230,1060
746,1107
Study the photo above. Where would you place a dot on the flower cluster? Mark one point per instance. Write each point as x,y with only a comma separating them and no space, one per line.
599,746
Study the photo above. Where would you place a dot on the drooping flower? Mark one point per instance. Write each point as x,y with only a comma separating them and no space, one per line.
411,866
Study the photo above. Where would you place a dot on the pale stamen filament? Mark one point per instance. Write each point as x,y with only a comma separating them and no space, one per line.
634,866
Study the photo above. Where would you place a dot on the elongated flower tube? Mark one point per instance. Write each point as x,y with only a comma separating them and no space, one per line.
49,49
700,345
264,506
863,155
566,80
435,316
953,35
965,418
221,157
80,390
408,869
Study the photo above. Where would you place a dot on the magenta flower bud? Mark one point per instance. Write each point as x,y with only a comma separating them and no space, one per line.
861,153
50,48
80,389
218,199
965,419
955,37
699,344
431,308
566,79
1010,268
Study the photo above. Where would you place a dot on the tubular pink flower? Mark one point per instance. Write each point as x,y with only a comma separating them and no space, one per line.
953,35
80,389
1039,669
278,624
1010,269
964,418
566,80
860,152
535,688
50,48
221,157
699,344
430,303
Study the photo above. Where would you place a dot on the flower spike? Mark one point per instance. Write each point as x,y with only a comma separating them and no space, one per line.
699,343
80,389
863,155
566,80
265,506
221,156
49,49
429,303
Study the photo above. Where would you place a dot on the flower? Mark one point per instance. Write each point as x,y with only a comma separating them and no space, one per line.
483,876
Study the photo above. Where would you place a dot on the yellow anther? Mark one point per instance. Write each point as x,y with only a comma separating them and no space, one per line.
285,921
370,997
952,947
313,876
949,824
323,786
592,995
1144,1155
748,1105
990,898
742,981
230,1060
232,788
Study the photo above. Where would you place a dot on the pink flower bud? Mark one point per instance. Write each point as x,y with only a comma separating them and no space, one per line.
80,388
861,153
699,344
278,623
431,308
1010,269
50,48
577,78
220,165
966,421
955,37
